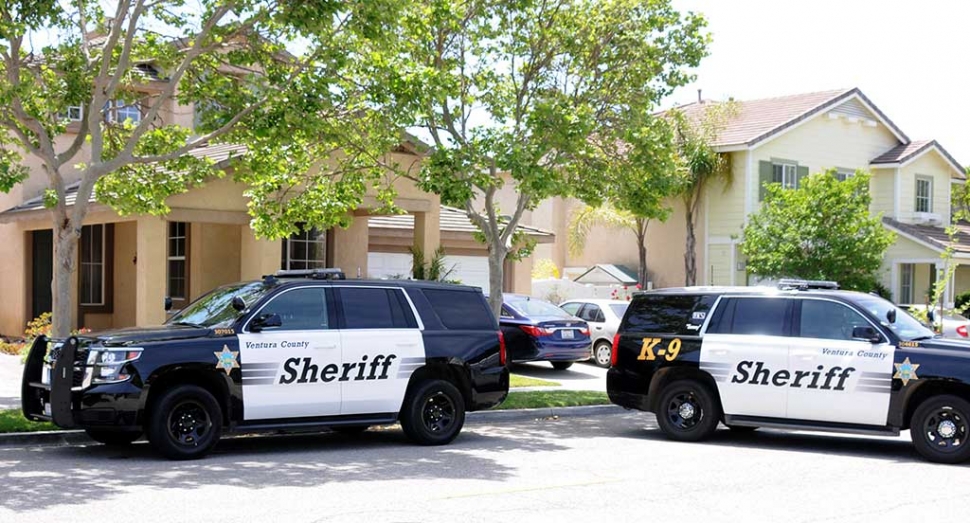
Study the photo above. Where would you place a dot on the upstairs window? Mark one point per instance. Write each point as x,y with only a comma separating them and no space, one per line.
842,176
786,174
118,111
306,249
73,113
924,194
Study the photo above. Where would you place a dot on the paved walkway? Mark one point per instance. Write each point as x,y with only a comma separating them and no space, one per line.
10,373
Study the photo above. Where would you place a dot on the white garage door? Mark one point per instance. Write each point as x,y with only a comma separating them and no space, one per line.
471,270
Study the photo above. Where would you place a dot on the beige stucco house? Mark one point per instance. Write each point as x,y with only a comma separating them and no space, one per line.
128,265
781,140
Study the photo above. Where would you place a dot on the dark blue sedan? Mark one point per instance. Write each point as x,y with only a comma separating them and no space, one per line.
536,330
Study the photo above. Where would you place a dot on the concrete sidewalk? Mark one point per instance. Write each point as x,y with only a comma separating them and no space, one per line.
11,372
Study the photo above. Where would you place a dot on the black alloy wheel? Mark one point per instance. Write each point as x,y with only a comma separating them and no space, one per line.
939,429
687,411
185,422
433,412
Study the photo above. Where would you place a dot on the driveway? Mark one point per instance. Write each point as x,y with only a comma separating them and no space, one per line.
581,376
10,373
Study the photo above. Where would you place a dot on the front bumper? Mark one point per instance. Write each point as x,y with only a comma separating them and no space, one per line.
66,399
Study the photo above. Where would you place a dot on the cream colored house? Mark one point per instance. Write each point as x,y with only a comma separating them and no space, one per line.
127,265
782,140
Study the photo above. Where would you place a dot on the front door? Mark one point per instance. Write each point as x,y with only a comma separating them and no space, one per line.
837,378
293,370
42,264
382,346
746,351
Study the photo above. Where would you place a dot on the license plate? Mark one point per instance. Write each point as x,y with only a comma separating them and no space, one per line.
567,334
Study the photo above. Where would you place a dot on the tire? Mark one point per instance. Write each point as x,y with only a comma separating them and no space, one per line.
561,365
349,430
939,429
185,423
113,438
433,412
602,354
687,411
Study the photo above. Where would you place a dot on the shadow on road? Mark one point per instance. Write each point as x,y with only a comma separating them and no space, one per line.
897,450
49,476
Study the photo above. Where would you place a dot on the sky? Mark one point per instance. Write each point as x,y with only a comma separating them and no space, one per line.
911,59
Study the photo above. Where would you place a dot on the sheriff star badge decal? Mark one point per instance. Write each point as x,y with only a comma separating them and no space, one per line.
227,359
906,371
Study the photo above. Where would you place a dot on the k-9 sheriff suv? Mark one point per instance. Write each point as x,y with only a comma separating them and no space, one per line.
296,350
804,356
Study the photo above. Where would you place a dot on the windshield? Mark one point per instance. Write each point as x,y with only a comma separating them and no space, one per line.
537,308
906,326
215,308
619,309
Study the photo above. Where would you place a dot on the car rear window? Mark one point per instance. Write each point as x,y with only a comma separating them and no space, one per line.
661,313
535,308
460,310
757,316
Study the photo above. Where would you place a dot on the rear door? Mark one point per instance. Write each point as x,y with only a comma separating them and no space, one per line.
382,346
745,349
290,371
596,318
834,377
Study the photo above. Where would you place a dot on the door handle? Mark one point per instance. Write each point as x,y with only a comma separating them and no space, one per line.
599,328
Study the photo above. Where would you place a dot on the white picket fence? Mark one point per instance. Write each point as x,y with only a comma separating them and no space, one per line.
558,291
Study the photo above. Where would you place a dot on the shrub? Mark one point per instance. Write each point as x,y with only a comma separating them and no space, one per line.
545,269
962,301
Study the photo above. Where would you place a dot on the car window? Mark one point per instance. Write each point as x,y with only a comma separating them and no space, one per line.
828,320
506,313
460,309
660,313
532,307
619,309
572,308
374,308
758,316
592,313
906,327
215,308
299,309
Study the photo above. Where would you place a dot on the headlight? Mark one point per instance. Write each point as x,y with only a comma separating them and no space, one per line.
106,365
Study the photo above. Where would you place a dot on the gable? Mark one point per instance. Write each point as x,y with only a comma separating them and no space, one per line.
853,108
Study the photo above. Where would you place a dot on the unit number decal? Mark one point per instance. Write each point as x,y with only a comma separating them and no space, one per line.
670,353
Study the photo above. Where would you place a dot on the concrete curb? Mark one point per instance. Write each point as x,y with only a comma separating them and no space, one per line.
77,437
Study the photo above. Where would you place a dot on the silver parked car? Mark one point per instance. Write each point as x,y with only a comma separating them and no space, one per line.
603,317
954,325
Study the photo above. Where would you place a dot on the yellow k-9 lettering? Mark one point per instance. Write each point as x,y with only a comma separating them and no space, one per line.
670,353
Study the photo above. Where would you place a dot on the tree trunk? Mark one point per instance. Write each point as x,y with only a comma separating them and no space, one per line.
65,263
496,275
642,252
690,259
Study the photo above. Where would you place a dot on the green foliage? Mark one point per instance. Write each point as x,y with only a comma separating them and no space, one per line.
583,219
821,230
434,270
538,399
516,380
13,421
962,301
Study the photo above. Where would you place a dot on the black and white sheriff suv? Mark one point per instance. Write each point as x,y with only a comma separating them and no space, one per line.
804,356
297,350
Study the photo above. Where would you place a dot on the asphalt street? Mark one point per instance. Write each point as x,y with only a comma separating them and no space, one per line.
614,467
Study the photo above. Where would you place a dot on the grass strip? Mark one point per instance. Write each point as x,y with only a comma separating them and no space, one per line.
13,420
538,399
524,381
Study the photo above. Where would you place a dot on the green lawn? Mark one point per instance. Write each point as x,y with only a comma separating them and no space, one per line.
14,421
534,399
524,381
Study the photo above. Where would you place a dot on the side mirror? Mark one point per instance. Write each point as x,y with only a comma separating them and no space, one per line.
168,303
866,333
265,321
891,315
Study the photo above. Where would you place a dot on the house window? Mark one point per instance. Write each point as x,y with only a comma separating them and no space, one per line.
306,249
906,283
843,175
786,174
73,113
924,194
177,260
119,111
92,265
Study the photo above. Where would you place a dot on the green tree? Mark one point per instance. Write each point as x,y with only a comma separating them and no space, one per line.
822,230
227,57
539,94
699,165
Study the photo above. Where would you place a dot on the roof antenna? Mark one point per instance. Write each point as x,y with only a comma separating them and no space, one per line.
699,99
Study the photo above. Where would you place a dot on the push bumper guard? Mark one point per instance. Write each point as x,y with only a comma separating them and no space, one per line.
48,397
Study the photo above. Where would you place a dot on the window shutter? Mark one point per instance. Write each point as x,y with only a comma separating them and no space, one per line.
802,173
765,175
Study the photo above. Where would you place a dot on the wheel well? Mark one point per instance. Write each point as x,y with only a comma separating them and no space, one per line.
205,379
670,374
930,389
455,374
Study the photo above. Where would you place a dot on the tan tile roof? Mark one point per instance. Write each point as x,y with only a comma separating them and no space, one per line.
452,219
905,152
758,120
